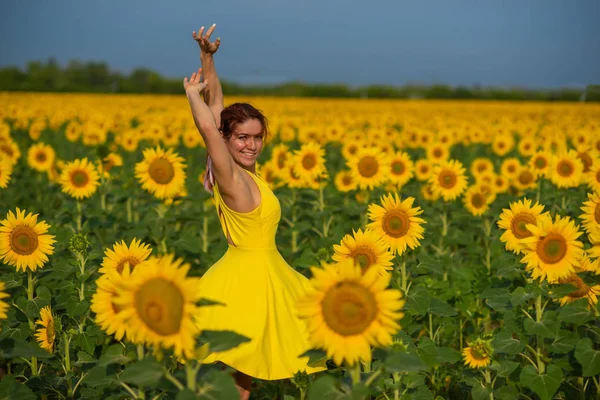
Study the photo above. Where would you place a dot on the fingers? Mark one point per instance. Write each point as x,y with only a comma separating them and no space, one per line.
200,32
218,41
210,31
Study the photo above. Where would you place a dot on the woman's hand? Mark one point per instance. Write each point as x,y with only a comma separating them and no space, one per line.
204,41
195,83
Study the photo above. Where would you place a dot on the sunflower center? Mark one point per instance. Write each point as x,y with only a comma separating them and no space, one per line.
597,213
40,156
6,149
519,225
437,153
347,180
582,288
540,163
368,166
132,261
477,200
79,178
159,304
525,177
511,168
481,167
309,161
161,171
565,168
598,176
349,308
352,149
398,168
364,256
479,352
396,223
552,248
50,331
23,240
447,179
281,157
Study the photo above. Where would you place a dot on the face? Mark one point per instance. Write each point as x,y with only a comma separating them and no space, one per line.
246,142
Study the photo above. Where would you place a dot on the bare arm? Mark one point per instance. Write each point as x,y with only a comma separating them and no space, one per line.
225,170
213,95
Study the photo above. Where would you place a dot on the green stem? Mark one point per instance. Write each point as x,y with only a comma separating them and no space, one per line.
430,326
129,214
68,364
539,342
404,277
190,375
321,198
173,380
355,373
30,285
78,216
140,351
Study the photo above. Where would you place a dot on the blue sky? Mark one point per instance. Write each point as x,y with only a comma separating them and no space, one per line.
531,43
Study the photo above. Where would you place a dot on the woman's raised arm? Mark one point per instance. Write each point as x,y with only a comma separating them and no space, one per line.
213,95
224,167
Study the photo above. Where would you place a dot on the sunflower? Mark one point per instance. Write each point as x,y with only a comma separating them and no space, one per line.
161,172
3,304
109,162
5,172
47,333
594,251
350,149
592,177
476,201
437,152
102,304
502,144
552,252
500,184
540,163
116,259
347,312
397,223
481,166
478,354
79,179
24,242
423,168
369,167
73,131
583,290
401,168
515,220
591,213
158,305
428,193
367,249
510,167
41,157
448,179
289,177
310,161
527,146
9,150
344,181
566,170
279,155
525,179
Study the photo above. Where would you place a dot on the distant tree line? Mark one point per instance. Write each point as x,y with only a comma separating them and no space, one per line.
97,77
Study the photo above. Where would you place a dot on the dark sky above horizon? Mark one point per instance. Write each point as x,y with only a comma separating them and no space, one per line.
531,43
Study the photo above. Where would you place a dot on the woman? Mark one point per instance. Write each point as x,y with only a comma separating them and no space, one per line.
257,286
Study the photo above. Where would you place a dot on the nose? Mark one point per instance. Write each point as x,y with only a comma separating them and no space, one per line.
251,145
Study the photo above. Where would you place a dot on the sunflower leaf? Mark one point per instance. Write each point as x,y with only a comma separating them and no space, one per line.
323,387
441,308
587,357
504,368
315,356
544,385
11,389
14,348
221,340
576,312
207,302
504,342
404,362
144,373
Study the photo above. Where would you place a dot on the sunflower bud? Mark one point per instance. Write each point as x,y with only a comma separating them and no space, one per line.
301,380
78,243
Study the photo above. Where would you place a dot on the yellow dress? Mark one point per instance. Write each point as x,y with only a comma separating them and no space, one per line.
259,290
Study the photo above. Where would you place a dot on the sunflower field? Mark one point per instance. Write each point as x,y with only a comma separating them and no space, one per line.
453,248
